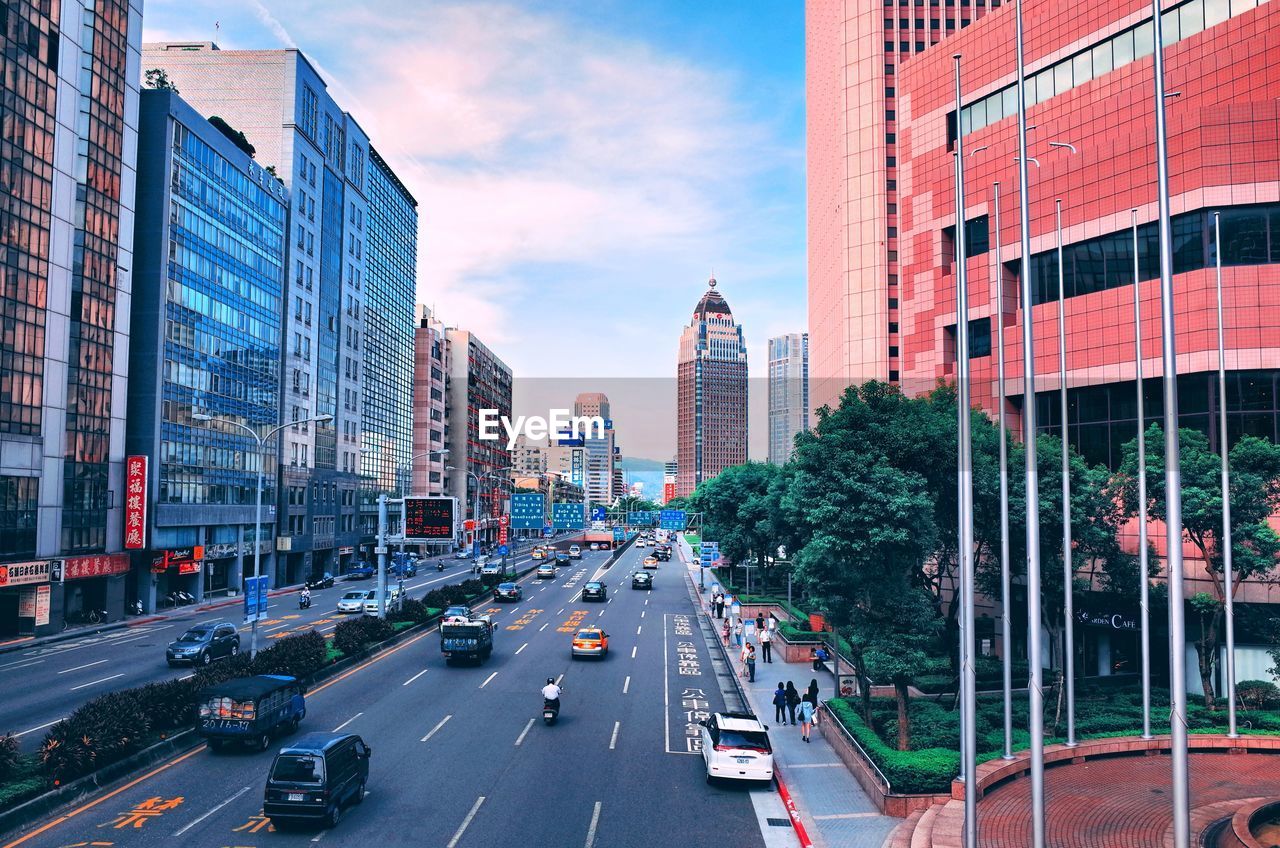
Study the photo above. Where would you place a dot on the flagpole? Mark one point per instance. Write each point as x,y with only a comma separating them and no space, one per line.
1006,623
1035,691
1181,794
968,679
1144,586
1228,577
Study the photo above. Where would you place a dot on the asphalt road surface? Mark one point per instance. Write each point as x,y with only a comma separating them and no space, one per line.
44,683
461,758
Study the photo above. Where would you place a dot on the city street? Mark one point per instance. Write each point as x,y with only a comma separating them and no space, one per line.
44,683
460,755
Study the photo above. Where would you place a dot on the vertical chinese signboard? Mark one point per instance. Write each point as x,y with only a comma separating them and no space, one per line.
135,502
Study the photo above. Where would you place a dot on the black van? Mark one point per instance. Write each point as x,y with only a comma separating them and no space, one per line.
315,778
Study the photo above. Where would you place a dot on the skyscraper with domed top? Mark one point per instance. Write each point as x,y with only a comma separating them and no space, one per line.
711,393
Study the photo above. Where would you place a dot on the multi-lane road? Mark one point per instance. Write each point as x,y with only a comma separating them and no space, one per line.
42,684
461,757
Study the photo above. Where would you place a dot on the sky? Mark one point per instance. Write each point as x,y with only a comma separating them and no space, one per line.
581,166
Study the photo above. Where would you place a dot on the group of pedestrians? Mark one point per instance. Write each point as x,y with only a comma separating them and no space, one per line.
787,701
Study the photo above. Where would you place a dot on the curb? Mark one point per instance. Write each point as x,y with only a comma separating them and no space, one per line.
792,812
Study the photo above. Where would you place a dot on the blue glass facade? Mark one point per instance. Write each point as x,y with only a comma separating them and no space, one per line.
208,302
391,252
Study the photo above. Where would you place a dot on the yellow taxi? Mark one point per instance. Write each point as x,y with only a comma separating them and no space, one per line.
651,561
590,642
538,553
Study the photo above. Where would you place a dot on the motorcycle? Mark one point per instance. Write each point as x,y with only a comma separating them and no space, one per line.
304,602
135,608
440,566
550,711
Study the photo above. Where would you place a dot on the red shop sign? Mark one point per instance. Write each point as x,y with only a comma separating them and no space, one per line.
135,502
101,565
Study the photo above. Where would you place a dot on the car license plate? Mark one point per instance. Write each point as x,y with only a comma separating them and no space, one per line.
743,760
296,796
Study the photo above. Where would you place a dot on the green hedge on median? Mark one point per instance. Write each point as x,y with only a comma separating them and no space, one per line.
925,770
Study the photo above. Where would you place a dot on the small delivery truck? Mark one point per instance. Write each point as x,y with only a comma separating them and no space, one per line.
466,640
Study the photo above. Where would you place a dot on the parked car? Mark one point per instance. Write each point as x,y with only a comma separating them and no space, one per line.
462,553
575,552
361,571
642,580
593,591
250,710
316,779
546,571
590,642
354,600
736,746
203,644
324,581
507,592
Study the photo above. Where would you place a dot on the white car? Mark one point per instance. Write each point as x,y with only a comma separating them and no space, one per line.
736,746
463,553
575,552
354,600
371,603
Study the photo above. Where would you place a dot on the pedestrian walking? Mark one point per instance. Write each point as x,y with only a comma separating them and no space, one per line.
759,623
725,630
793,701
806,718
737,631
780,704
751,663
766,645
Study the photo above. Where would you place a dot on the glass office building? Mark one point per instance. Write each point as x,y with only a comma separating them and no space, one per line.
209,281
391,255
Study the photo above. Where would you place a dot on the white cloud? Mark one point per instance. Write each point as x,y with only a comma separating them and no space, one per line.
564,175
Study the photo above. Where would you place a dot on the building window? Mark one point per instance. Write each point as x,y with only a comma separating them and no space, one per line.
979,339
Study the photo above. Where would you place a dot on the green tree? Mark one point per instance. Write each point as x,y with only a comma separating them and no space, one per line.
903,627
738,513
158,79
1255,496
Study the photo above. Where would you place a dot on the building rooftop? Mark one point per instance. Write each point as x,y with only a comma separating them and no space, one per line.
712,302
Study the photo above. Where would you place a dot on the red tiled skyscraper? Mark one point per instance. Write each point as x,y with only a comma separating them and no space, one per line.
711,394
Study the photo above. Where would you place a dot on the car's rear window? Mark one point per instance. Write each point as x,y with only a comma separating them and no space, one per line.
751,740
296,768
354,596
593,585
589,634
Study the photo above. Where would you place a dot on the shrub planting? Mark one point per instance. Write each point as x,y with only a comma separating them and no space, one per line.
9,759
296,656
353,636
105,730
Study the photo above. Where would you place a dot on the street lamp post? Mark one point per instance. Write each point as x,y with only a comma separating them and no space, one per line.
257,520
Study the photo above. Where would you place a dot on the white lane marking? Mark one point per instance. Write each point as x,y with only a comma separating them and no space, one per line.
94,682
642,613
609,601
465,823
318,836
21,665
187,677
558,679
86,665
348,721
415,677
613,740
633,651
626,684
561,611
41,727
439,724
520,738
666,690
522,647
595,822
638,628
600,613
192,824
646,602
543,627
487,679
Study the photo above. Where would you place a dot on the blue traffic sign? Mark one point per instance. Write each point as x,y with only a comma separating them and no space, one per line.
568,516
255,598
598,513
527,510
672,519
503,550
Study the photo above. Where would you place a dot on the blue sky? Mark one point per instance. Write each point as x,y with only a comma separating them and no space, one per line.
581,165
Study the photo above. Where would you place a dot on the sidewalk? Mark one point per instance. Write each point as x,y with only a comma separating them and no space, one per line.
831,804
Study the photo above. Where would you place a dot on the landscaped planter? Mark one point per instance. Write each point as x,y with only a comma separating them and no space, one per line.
817,622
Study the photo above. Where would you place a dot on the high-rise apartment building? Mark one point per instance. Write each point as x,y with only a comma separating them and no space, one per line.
788,393
711,393
208,289
854,50
387,352
529,459
67,261
477,380
601,459
430,425
669,471
280,102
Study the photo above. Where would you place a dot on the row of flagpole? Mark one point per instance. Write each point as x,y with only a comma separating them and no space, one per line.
1180,794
